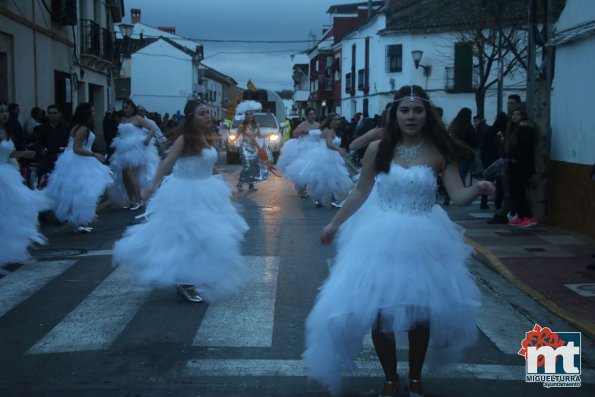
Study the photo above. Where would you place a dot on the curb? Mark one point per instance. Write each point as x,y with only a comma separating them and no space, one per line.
486,257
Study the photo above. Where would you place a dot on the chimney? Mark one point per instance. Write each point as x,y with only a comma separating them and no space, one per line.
135,15
167,29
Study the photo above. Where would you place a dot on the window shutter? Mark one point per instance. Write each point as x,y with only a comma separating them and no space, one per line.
463,67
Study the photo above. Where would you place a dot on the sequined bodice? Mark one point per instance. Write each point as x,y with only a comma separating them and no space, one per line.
6,148
407,190
196,167
87,145
125,129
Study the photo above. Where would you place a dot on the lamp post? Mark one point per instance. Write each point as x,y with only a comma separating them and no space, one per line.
126,32
416,55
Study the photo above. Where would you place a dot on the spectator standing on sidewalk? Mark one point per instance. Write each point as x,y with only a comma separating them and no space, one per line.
462,129
592,175
53,138
19,205
521,140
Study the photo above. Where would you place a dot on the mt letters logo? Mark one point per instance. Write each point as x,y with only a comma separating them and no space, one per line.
552,358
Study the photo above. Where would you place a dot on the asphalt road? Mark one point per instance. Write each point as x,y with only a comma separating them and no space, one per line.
72,325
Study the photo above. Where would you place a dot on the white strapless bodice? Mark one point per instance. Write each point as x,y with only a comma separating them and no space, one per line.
407,190
196,167
87,145
128,129
6,148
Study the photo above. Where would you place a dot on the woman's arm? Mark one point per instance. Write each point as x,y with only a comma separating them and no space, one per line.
459,194
165,166
80,136
357,197
368,137
144,123
329,136
22,154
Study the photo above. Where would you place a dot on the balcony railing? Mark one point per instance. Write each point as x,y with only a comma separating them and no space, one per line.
96,40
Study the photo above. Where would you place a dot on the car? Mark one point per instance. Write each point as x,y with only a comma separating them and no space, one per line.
270,130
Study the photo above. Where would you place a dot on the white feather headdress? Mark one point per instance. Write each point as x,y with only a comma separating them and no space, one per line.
246,106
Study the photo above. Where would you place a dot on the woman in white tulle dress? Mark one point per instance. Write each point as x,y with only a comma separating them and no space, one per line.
321,166
79,178
135,159
19,205
401,262
193,231
294,148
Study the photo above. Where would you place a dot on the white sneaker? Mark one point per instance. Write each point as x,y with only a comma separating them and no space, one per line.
136,206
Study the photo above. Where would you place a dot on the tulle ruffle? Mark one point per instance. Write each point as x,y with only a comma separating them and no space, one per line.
19,209
192,235
409,269
323,171
75,187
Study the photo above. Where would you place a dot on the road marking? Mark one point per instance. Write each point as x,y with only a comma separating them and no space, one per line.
501,322
98,320
247,319
243,367
18,286
96,253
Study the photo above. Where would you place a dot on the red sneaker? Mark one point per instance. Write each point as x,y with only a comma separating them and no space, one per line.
528,222
516,221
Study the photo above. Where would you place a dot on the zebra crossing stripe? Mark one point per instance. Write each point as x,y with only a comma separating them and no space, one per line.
98,320
245,320
242,367
18,286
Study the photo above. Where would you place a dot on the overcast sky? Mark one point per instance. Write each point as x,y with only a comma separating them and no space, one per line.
268,65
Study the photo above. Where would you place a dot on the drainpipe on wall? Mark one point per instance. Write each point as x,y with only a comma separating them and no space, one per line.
369,9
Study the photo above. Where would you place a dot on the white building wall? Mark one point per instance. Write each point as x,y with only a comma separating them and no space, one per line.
573,96
161,78
438,52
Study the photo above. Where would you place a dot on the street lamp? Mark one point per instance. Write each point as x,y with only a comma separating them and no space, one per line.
126,30
417,54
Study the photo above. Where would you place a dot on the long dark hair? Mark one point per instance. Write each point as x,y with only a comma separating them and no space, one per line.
83,116
512,131
195,139
434,131
10,135
130,103
254,123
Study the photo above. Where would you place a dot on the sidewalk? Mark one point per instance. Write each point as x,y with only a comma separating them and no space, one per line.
546,262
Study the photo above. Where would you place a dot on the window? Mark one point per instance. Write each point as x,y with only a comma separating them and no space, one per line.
361,79
348,83
394,58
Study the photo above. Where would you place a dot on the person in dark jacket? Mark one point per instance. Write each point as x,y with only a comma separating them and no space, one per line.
521,140
53,139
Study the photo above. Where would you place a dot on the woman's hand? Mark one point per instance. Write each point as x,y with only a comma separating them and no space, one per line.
99,157
327,235
486,188
146,194
146,142
28,154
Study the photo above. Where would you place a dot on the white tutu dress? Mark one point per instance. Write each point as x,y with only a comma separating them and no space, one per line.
192,234
322,170
131,152
19,207
400,257
77,183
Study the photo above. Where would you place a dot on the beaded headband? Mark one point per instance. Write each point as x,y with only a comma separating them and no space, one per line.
411,97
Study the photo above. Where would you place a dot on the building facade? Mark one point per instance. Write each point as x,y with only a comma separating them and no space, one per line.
60,54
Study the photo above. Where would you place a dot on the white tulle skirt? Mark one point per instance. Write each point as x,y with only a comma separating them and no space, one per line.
75,187
409,269
323,171
192,235
131,153
19,209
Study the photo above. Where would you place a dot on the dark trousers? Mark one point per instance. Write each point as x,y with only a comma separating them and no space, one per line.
519,182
